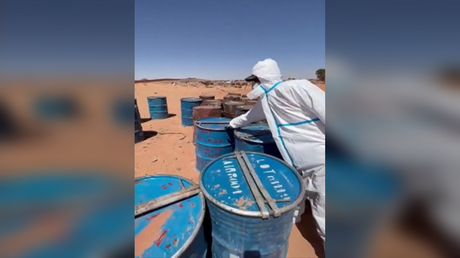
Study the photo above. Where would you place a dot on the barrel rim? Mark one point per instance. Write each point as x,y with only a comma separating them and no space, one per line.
238,134
192,99
156,97
257,214
239,103
198,125
210,107
200,220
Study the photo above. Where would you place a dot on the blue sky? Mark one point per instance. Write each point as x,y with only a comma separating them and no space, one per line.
224,39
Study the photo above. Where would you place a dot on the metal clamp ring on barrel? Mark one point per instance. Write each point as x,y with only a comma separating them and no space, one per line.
260,194
211,122
168,199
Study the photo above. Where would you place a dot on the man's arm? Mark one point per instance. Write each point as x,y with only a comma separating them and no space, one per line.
256,113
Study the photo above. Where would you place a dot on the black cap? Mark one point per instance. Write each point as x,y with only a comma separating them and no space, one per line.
252,78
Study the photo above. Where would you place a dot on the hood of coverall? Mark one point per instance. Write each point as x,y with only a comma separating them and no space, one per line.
268,73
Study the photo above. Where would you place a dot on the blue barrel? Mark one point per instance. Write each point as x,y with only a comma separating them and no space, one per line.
256,138
158,107
98,227
186,108
54,108
251,198
360,198
212,140
122,112
172,231
137,114
138,132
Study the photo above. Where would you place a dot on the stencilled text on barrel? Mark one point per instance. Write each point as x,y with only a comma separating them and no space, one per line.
270,173
230,169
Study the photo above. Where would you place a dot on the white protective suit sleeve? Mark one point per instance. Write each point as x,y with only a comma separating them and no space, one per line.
256,113
314,100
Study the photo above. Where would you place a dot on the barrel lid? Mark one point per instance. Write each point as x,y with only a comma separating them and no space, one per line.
207,107
252,184
156,97
191,99
234,103
258,133
158,234
213,123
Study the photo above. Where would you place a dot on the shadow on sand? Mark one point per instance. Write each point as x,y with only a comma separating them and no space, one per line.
307,227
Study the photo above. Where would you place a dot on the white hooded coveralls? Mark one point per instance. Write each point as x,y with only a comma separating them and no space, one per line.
296,113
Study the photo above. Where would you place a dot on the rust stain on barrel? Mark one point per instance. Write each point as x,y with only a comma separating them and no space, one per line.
212,102
153,232
230,107
200,112
232,98
207,97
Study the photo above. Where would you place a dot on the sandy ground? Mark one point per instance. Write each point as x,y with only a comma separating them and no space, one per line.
169,150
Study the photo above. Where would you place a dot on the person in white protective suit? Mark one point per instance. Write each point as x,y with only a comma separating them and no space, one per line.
295,112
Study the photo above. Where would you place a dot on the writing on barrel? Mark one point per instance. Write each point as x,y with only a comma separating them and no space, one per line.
257,195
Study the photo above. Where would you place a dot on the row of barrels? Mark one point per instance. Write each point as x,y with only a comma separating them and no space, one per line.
192,108
232,105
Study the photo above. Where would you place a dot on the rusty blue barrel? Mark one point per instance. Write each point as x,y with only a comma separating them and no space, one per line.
256,138
172,231
186,108
138,132
211,139
158,107
251,199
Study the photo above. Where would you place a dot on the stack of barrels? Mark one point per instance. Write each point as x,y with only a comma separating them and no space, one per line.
231,104
236,104
210,107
